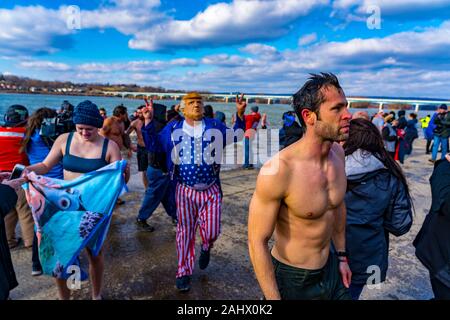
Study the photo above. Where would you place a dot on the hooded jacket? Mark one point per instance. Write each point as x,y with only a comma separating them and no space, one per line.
377,204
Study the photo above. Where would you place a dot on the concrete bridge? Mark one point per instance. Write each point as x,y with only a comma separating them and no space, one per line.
275,98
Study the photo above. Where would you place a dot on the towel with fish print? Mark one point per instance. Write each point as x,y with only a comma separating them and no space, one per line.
73,215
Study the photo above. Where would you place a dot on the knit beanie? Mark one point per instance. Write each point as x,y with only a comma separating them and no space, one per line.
87,113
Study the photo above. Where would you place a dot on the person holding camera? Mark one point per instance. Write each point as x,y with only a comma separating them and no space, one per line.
8,199
11,136
37,145
441,132
81,152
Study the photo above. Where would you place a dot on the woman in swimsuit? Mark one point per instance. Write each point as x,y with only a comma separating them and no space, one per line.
82,151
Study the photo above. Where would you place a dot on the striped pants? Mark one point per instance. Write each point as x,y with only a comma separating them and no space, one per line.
196,209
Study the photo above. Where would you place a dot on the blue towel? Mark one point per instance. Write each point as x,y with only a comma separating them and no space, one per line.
73,215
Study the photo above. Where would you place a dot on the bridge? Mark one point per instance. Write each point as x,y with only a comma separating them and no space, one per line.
275,98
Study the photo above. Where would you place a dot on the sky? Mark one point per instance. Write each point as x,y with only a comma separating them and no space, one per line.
391,48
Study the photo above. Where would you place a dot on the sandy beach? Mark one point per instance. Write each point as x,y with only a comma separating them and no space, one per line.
142,265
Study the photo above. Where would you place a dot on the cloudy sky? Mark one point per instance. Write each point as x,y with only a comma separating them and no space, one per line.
395,48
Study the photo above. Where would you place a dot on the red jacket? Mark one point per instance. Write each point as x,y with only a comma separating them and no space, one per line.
251,121
10,143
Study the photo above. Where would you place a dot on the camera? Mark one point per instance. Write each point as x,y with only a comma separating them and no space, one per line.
51,128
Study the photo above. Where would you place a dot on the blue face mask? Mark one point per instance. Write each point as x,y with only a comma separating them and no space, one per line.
289,120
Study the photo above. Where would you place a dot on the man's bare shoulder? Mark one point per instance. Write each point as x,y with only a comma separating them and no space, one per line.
273,178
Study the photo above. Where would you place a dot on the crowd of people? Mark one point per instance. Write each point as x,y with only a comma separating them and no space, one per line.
338,193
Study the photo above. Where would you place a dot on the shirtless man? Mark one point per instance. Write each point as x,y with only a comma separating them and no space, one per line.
303,202
142,155
114,129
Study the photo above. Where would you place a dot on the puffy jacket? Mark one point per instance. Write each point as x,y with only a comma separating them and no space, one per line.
377,204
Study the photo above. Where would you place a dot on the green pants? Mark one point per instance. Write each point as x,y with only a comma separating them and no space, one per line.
301,284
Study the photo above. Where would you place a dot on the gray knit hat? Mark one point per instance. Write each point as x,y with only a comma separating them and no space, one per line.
87,113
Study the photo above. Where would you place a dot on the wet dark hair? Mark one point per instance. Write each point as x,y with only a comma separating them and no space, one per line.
310,96
365,135
413,115
119,110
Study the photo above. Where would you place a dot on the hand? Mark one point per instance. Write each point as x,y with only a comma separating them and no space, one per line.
346,273
241,104
147,112
15,184
4,176
148,103
447,156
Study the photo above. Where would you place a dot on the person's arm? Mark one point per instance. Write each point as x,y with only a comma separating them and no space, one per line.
398,217
8,198
107,127
338,235
115,155
52,159
263,213
131,128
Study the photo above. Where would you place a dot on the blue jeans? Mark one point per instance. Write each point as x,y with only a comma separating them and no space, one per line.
160,190
246,152
436,142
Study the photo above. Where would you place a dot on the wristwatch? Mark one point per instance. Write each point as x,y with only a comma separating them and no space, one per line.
342,254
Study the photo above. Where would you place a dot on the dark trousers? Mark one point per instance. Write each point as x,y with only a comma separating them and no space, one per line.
160,190
301,284
440,290
356,290
246,152
35,254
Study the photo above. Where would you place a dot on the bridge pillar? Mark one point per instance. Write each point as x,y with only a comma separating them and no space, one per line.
246,100
349,104
380,107
417,108
226,99
269,101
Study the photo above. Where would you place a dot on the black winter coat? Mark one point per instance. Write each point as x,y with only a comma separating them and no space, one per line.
377,204
433,240
8,281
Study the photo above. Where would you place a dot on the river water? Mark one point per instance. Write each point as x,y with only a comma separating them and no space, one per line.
35,101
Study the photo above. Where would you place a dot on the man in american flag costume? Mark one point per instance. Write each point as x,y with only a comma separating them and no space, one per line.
193,149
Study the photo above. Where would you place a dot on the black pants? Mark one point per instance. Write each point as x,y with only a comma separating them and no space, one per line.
301,284
35,254
440,290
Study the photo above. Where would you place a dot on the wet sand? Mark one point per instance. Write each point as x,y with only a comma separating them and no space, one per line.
140,265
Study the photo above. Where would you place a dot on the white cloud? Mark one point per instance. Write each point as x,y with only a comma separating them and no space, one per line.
225,60
411,9
259,49
226,23
307,39
36,29
143,66
32,29
45,65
